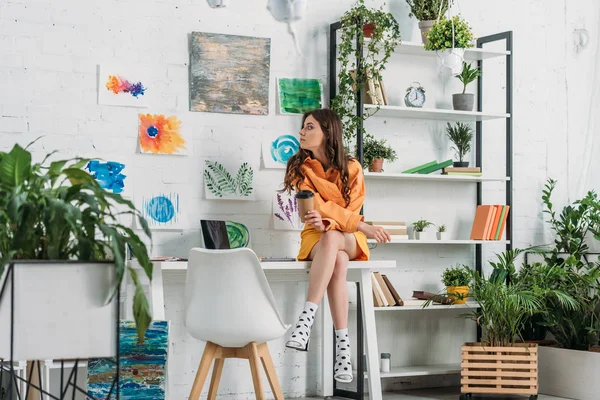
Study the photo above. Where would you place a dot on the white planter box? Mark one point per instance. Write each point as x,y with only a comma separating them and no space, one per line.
60,310
569,373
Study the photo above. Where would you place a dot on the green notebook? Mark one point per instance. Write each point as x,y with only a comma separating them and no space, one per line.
436,167
420,167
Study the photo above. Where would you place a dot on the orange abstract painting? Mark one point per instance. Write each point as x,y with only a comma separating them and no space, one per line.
160,134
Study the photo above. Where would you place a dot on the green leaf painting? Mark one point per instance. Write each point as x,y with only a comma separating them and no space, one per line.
297,96
220,183
238,234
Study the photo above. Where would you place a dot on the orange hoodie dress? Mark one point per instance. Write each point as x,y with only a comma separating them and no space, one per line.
330,203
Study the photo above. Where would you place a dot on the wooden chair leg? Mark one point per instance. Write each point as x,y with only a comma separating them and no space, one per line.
267,362
207,358
216,377
254,358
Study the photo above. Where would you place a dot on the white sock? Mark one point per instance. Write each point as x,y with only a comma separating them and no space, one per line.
343,366
302,328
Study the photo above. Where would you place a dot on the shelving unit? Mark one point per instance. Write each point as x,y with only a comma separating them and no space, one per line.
478,117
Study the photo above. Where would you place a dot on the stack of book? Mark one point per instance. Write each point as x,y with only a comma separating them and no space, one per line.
397,230
429,167
489,222
384,294
472,171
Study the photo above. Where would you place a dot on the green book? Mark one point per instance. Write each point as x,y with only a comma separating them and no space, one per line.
420,167
463,173
436,167
500,223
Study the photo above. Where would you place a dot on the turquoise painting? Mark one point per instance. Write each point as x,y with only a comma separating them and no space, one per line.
238,234
143,367
297,96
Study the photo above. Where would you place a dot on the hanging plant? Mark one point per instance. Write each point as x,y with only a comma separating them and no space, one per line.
441,37
384,38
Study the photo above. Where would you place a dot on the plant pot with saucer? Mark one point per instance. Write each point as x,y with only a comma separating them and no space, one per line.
427,12
461,135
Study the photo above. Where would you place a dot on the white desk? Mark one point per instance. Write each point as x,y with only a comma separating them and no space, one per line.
358,271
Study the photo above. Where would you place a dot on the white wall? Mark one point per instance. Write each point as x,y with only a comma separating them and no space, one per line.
49,52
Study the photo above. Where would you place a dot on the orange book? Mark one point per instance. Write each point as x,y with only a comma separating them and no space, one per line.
503,222
488,233
495,222
481,222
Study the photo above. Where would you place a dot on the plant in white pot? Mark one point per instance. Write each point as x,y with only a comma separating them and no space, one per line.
420,226
441,232
62,249
427,12
461,136
465,101
449,38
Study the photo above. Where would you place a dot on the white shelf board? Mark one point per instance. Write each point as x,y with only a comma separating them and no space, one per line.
445,241
432,113
472,54
415,304
421,370
434,178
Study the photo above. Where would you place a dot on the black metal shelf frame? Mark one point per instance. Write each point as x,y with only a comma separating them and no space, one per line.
332,81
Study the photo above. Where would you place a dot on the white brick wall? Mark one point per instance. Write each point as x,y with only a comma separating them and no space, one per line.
49,52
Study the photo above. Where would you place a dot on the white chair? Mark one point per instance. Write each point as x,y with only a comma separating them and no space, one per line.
229,304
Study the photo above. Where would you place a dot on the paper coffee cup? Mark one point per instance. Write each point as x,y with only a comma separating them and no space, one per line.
306,202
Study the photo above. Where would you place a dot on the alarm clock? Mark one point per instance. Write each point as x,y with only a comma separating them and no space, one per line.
415,95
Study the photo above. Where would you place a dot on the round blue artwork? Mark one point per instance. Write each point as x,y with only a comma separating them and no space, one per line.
161,209
284,147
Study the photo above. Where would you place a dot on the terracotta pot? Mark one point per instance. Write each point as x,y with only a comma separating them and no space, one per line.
376,165
458,293
425,27
368,30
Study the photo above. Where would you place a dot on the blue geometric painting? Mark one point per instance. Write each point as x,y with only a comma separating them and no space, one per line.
142,367
108,174
161,209
277,151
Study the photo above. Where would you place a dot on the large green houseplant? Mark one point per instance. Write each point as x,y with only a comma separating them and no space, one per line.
57,211
385,37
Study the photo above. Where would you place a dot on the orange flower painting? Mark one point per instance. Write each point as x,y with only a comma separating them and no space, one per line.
160,134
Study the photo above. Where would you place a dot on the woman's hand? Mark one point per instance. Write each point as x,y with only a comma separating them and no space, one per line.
314,218
375,232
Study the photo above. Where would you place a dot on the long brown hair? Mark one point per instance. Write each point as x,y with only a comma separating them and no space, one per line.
331,125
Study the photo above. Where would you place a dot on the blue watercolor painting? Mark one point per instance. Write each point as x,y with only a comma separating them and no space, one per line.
162,210
108,174
276,152
143,367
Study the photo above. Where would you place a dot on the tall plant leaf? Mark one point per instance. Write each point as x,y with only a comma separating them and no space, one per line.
15,167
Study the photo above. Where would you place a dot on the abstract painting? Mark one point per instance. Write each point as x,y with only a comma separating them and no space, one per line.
229,74
143,367
161,135
285,212
238,234
297,96
161,209
120,85
108,174
277,151
219,183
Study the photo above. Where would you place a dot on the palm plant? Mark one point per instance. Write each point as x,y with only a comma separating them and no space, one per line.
421,225
460,135
58,211
468,75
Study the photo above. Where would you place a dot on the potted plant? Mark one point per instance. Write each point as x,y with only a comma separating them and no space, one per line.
441,232
465,101
384,32
420,226
461,136
427,12
63,251
375,152
449,38
457,281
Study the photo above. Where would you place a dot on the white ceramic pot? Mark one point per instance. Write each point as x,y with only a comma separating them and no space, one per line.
569,373
418,235
61,310
441,235
451,61
218,3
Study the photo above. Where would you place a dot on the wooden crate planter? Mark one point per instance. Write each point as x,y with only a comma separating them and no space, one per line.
499,370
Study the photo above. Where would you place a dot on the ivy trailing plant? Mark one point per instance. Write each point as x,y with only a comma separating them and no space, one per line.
385,38
440,36
222,184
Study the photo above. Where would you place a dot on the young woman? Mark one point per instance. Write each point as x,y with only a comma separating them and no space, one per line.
334,232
